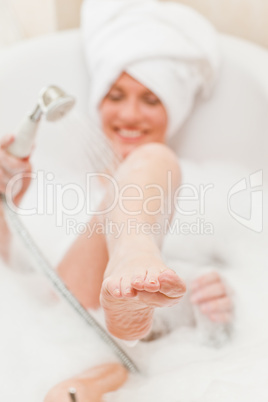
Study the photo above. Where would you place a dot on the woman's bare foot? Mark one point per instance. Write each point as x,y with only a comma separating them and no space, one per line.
135,283
91,385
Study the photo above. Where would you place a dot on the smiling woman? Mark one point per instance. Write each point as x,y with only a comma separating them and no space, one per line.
164,55
147,63
132,115
236,115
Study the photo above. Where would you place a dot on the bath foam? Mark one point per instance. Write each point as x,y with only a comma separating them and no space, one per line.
44,342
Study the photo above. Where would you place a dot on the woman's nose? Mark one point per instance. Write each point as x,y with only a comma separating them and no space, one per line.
130,112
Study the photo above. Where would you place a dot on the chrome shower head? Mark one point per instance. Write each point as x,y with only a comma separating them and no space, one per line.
54,103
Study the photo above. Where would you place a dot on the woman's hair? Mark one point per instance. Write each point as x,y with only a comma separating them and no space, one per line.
167,47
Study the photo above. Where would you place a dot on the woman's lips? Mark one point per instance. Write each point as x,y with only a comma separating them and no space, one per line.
129,134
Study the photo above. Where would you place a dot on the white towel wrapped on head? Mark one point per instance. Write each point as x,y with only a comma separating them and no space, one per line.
166,46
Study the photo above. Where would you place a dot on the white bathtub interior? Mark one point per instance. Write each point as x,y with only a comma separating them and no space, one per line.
225,140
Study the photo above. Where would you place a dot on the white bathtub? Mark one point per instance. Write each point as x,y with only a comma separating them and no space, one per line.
229,131
232,125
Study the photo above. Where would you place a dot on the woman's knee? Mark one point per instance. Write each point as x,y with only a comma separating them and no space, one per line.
154,154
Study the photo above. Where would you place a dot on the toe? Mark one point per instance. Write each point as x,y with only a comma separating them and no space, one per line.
151,282
112,286
126,287
138,280
156,299
171,285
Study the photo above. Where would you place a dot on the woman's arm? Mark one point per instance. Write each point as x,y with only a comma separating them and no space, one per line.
83,265
10,166
4,235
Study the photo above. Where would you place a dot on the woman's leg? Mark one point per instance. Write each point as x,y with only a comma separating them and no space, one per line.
136,280
84,264
91,385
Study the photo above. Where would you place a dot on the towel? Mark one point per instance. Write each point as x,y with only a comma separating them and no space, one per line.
168,47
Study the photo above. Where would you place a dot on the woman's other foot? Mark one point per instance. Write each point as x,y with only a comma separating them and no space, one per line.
91,385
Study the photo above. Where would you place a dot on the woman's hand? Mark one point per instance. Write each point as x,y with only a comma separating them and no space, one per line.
210,294
11,166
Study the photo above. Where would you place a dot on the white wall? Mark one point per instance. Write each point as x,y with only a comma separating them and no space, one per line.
9,29
26,18
35,17
22,19
68,13
245,18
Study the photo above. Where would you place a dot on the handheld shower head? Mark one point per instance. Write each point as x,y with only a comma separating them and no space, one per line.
54,103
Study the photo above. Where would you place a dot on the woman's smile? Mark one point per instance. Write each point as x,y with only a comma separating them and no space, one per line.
130,134
132,115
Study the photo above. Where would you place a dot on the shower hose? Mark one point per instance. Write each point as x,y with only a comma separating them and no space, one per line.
43,265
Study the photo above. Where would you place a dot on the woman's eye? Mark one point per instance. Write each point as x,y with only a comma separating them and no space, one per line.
151,100
115,96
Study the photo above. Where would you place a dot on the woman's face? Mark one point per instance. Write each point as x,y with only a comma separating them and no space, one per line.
131,115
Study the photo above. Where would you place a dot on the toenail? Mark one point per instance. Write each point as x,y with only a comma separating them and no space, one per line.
128,291
138,280
153,281
116,292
